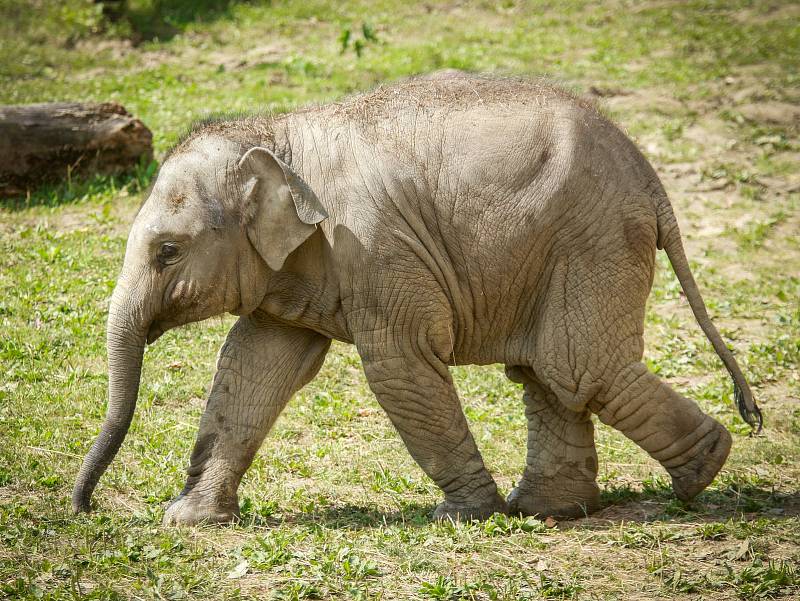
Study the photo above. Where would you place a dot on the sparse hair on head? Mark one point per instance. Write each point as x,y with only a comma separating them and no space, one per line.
246,128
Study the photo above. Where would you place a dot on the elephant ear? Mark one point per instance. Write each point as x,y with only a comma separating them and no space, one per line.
280,209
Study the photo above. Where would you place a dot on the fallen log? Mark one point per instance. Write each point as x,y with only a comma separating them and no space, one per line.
42,143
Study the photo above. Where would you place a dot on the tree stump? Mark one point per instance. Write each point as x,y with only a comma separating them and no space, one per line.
42,143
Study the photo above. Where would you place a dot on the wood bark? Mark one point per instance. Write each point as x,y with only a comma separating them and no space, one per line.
41,143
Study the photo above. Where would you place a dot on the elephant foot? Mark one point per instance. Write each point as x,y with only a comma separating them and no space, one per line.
457,512
186,510
692,477
548,498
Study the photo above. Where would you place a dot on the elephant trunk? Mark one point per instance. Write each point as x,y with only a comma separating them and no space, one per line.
125,342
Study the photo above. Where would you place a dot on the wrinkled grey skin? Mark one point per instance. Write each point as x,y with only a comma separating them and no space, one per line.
462,219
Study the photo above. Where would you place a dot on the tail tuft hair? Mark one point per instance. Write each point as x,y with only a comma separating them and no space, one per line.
753,417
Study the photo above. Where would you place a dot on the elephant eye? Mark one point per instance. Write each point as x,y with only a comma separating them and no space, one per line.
168,253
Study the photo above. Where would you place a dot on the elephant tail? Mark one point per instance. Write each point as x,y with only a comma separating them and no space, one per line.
669,238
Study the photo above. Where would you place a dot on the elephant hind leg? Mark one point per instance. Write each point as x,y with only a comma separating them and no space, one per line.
588,353
690,445
561,465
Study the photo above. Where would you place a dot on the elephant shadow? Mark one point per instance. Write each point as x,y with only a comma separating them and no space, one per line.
350,516
618,505
658,504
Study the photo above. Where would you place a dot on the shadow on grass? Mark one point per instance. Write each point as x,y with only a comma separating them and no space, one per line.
348,517
74,191
163,19
656,503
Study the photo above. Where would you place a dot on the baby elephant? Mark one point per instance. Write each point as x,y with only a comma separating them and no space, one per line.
473,218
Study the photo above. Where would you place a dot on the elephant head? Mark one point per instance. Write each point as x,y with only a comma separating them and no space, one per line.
219,219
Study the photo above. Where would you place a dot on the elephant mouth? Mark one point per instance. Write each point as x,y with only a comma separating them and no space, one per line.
154,331
158,327
168,321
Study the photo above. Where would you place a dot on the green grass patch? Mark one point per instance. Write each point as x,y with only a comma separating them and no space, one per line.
334,507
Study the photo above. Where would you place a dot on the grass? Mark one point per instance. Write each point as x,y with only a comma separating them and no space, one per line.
333,506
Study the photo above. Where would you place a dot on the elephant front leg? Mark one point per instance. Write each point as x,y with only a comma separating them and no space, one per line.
260,366
421,401
561,465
